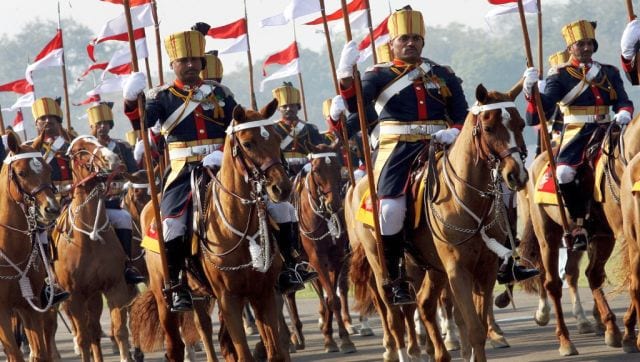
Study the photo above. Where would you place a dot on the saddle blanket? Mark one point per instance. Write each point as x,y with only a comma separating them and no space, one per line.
150,239
545,191
636,186
365,211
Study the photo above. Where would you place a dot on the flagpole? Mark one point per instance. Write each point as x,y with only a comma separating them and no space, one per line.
366,151
1,122
156,27
146,65
540,55
544,134
147,151
343,129
371,38
252,91
64,76
304,100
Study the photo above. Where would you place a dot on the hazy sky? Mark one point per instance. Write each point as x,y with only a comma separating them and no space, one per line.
176,15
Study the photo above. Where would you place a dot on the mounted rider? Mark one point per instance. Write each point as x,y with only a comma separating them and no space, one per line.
586,91
101,122
298,137
193,116
416,100
52,141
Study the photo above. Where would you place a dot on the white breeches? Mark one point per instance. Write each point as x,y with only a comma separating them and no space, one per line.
282,212
565,174
392,214
174,227
120,219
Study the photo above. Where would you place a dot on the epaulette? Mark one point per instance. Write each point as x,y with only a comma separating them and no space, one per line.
153,92
215,84
432,63
118,140
380,65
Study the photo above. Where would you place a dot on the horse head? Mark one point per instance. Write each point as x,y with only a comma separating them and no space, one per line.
138,189
89,157
325,175
30,180
497,133
255,148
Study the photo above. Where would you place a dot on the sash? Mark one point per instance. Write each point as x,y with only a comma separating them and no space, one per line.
55,147
291,135
581,87
399,84
189,106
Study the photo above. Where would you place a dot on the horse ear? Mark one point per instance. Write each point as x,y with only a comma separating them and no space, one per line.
12,142
516,89
239,114
481,94
268,110
37,142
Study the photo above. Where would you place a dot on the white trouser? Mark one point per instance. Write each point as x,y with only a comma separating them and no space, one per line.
282,212
565,174
392,214
174,227
120,219
358,174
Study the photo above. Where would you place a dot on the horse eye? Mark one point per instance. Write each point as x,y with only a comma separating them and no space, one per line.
488,129
247,145
22,173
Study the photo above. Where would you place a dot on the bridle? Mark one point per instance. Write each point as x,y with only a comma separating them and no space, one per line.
484,152
28,196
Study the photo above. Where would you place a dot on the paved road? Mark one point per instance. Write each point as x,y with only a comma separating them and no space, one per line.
528,341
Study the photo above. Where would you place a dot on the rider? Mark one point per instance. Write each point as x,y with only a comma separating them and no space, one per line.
629,45
194,116
101,122
53,146
586,92
416,100
297,138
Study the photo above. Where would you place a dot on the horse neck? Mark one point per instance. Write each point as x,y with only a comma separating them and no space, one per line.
631,140
88,212
9,215
462,161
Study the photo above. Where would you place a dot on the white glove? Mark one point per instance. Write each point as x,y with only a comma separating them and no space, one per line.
337,107
213,159
531,76
446,136
541,85
134,85
630,37
348,59
623,117
138,151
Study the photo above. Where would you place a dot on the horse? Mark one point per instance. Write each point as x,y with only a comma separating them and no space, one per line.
616,149
136,197
324,239
236,255
490,143
28,206
89,259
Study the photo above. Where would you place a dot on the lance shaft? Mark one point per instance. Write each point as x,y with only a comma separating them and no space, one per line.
147,151
367,152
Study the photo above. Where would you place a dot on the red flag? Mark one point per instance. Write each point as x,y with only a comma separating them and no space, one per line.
379,31
93,67
137,34
18,122
352,7
282,57
229,31
54,44
500,2
50,56
92,98
18,86
132,3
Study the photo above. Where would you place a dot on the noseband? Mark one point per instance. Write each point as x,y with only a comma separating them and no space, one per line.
249,168
484,152
27,195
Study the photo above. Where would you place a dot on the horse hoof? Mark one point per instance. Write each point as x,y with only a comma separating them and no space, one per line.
350,329
585,327
390,356
138,355
613,339
499,342
251,330
347,347
331,347
299,345
452,345
541,319
568,350
629,345
292,348
76,348
600,329
366,332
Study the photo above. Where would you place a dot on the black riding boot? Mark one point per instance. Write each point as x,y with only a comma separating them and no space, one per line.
131,274
302,271
511,271
180,298
59,294
397,287
288,281
576,203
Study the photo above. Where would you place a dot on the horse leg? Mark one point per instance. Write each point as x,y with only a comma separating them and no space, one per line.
600,251
633,312
297,338
343,293
33,328
94,330
202,319
391,351
346,346
11,349
542,315
628,339
249,321
395,321
120,331
266,311
494,332
78,309
572,273
174,347
448,327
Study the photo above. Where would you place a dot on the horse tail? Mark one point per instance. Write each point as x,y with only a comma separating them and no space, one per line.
360,273
529,247
145,322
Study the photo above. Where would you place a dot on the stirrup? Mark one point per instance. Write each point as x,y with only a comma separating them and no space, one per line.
580,239
400,292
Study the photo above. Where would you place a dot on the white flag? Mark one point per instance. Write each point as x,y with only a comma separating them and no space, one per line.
288,69
294,10
24,101
141,17
240,44
123,56
530,6
110,85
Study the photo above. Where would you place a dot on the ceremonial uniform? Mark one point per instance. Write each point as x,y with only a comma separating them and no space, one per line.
193,119
586,92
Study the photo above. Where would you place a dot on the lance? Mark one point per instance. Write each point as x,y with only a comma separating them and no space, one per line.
1,122
64,76
304,100
252,92
539,14
344,136
544,134
148,69
366,151
371,39
632,16
156,27
147,150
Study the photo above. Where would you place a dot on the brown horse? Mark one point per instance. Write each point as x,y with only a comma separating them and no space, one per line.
324,239
546,224
90,259
28,206
136,197
490,143
237,256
